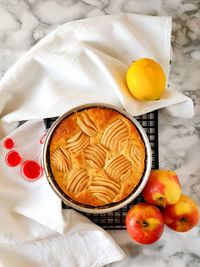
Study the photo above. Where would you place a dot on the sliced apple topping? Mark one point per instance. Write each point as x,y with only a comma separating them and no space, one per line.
118,167
78,142
61,159
115,135
104,188
135,155
86,125
77,181
95,156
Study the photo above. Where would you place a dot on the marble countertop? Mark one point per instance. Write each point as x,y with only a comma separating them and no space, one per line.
24,23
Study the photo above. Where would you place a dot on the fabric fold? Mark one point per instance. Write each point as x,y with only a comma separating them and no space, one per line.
33,227
86,62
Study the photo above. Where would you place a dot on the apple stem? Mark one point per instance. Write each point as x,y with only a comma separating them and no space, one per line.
161,201
145,224
182,219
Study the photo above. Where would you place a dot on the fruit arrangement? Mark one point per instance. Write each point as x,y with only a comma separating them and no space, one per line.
145,222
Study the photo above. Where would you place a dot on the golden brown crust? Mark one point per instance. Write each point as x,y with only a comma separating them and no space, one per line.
97,156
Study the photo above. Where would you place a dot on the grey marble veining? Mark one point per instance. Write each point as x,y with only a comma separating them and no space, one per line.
24,23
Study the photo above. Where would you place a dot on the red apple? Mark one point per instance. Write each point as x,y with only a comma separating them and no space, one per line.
181,216
145,223
162,189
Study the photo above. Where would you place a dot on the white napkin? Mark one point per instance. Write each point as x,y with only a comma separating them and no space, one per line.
34,230
80,62
86,61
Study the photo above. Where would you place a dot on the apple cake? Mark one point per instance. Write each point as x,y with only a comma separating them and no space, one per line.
97,156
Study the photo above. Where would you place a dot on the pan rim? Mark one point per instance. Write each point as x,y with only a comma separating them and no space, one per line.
98,209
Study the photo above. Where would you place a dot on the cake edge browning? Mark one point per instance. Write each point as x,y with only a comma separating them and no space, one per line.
101,118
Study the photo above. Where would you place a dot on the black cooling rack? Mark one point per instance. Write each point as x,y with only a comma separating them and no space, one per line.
116,219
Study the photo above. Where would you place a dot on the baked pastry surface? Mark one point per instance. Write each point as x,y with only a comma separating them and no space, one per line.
97,156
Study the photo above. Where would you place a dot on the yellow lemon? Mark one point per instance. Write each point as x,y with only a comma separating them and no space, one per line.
146,79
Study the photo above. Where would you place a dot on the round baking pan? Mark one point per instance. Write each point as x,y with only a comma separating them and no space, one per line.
108,207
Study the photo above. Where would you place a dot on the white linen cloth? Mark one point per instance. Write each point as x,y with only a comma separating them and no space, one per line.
86,61
34,230
80,62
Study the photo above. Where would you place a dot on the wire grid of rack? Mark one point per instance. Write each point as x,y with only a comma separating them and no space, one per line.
116,219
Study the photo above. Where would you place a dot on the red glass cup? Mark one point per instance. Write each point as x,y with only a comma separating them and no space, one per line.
13,158
31,170
9,143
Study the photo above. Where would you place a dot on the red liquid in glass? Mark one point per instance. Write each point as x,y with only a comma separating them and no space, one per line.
9,143
31,169
13,158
